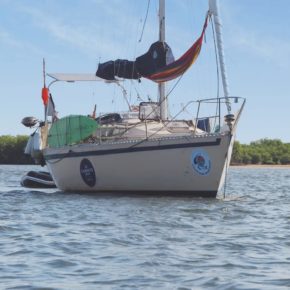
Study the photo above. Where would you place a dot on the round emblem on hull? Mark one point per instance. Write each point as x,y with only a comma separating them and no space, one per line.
200,162
87,172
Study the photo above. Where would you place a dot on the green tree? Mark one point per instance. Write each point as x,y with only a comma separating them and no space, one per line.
12,150
237,153
256,158
263,151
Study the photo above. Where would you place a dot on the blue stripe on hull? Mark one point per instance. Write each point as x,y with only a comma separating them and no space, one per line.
131,149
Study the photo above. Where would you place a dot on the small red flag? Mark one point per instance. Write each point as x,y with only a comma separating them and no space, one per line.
45,95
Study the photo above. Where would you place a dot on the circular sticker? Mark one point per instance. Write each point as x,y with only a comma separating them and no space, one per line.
200,162
87,172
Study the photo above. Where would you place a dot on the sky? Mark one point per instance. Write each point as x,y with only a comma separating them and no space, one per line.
75,35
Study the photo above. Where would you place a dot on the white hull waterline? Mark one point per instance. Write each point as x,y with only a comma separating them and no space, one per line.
155,166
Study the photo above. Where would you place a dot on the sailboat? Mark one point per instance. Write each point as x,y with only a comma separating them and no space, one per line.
144,150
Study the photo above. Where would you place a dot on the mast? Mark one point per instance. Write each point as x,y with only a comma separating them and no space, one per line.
214,10
161,86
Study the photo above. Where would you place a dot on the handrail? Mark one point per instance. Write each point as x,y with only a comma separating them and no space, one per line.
117,132
217,101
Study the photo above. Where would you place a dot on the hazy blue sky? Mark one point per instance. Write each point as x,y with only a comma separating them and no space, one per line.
74,35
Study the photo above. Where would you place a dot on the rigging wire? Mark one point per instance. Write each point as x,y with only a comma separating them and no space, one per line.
174,86
218,103
145,21
226,178
124,95
164,125
217,64
154,111
227,168
135,46
216,57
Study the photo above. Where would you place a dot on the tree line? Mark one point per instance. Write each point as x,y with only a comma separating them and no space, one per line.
12,150
264,151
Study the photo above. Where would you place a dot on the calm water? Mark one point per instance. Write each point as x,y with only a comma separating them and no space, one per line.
55,240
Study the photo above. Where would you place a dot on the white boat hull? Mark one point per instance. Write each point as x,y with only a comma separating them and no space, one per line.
184,165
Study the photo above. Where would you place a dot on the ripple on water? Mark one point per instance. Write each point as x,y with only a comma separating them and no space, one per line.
54,240
60,263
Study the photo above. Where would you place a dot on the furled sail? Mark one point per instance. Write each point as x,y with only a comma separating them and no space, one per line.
121,68
157,64
157,57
